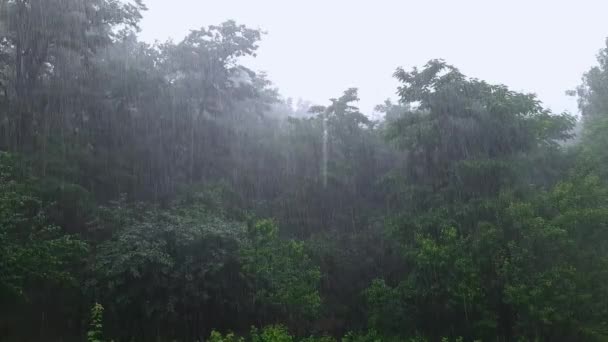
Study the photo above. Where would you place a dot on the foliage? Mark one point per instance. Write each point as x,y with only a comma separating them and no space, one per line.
37,258
318,339
179,264
138,173
466,123
229,337
468,232
95,333
273,333
593,104
284,277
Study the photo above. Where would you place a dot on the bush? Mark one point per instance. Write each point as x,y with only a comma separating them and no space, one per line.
273,333
230,337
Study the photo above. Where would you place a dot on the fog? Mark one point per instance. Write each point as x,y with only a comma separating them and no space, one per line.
160,179
315,48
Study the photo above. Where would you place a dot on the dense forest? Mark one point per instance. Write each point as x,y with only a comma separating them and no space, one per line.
166,192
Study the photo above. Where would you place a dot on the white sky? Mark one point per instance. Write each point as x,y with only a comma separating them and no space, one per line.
315,49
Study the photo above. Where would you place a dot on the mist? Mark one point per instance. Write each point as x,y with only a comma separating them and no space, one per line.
315,49
268,171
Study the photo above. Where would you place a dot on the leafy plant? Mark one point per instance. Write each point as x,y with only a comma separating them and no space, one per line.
95,333
283,275
229,337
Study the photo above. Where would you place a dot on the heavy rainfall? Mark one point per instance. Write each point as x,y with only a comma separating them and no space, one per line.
156,184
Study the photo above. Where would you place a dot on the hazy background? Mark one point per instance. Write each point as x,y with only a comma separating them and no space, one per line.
316,49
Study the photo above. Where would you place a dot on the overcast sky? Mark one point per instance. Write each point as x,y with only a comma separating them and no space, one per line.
315,49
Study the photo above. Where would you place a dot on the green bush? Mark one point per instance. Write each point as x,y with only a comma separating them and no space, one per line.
319,339
273,333
95,333
229,337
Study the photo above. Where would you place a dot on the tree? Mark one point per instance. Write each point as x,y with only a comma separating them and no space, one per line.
162,268
44,40
464,140
593,104
285,281
37,259
459,125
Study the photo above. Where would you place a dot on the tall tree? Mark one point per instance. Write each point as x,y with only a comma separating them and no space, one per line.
41,38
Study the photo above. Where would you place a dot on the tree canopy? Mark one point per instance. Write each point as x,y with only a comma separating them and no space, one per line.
168,192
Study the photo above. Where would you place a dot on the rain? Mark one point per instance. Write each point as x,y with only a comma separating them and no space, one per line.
265,171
